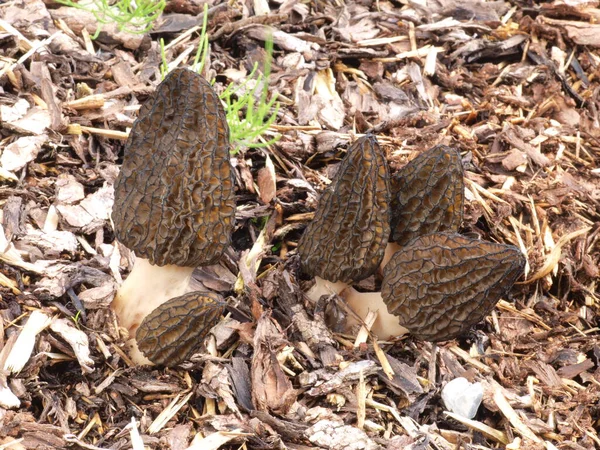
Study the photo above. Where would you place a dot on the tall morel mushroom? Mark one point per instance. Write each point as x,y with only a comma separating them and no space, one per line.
346,239
174,197
345,242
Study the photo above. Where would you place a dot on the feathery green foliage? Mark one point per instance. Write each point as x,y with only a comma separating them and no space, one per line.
132,16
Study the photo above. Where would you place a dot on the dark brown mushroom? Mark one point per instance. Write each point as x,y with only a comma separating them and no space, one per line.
442,284
346,240
174,197
427,196
175,330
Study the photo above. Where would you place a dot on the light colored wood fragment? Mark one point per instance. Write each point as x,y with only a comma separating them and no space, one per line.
93,101
385,364
490,432
554,256
361,396
363,333
508,412
21,351
168,413
465,356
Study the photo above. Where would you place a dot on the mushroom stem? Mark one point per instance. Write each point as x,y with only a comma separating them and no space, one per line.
145,289
390,249
324,287
386,326
137,357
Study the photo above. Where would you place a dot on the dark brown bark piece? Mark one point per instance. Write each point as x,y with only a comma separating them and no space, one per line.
442,284
173,331
174,197
428,195
347,237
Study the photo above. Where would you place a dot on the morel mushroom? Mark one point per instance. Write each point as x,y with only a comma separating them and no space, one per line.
174,197
442,284
346,240
427,196
174,331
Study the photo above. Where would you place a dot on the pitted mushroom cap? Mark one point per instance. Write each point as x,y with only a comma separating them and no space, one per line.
346,239
442,284
174,197
427,195
173,331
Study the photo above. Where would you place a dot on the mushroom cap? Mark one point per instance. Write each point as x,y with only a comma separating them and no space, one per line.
427,195
441,284
346,239
174,197
175,330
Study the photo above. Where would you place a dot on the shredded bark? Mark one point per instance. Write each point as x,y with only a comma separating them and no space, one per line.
512,86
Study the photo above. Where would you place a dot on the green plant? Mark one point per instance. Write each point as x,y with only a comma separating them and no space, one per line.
76,318
249,112
132,16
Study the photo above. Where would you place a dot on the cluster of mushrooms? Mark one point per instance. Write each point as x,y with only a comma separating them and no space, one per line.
436,283
175,208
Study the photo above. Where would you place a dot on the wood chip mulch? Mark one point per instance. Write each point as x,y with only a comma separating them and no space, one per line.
514,86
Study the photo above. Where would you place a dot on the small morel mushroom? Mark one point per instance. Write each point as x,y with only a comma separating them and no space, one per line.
174,197
442,284
173,331
427,196
346,240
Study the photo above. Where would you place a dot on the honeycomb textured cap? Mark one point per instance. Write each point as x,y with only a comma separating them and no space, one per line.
174,197
346,239
175,330
428,195
442,284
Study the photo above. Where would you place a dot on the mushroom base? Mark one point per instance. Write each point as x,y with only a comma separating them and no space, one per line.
386,326
145,289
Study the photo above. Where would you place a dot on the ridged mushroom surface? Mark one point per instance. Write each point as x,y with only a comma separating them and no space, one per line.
427,195
173,331
347,237
174,197
442,284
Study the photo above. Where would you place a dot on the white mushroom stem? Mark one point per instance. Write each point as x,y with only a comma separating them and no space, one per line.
386,325
324,287
145,289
